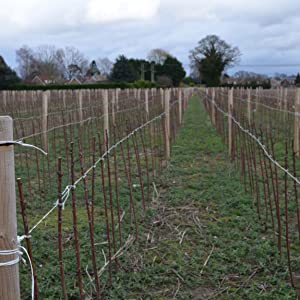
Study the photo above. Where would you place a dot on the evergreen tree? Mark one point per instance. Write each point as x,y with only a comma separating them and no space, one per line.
124,71
297,81
173,69
8,77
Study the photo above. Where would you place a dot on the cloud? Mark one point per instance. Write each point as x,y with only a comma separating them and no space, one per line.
266,32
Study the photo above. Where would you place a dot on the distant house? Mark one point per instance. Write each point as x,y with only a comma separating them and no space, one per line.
40,80
97,78
74,81
275,83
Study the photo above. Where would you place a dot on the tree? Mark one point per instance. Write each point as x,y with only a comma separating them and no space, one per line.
93,69
158,56
123,70
212,56
47,60
8,77
173,69
297,81
27,62
74,63
105,65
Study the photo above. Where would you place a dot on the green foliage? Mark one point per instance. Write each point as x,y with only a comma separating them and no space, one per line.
8,77
211,57
189,81
112,85
143,84
204,240
124,71
173,69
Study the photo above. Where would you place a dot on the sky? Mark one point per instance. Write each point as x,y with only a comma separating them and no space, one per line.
266,31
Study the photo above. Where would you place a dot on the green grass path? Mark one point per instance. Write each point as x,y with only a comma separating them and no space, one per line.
203,239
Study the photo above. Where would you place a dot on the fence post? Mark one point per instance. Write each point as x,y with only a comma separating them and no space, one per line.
80,96
105,111
9,275
230,111
167,123
285,95
249,105
45,119
180,105
296,125
113,103
147,103
213,110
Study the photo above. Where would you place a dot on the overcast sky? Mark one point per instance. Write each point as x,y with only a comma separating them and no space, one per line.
266,31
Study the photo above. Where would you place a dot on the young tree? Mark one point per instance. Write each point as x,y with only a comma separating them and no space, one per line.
8,77
123,71
212,56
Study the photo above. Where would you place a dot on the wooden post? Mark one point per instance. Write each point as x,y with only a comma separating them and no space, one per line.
105,111
180,105
45,119
230,110
162,97
285,95
147,103
167,123
296,128
213,109
113,103
9,275
249,105
80,96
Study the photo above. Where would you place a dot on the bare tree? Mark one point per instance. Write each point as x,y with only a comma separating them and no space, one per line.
158,56
74,63
27,62
105,65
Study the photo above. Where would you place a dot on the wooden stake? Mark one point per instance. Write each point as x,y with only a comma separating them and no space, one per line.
9,275
113,103
230,110
249,105
45,119
147,102
80,96
105,111
213,109
296,128
167,124
180,105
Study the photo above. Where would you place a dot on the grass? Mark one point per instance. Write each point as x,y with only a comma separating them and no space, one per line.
203,239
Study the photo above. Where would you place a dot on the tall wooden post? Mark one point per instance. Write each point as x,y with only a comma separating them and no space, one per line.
285,95
180,105
9,275
230,131
113,103
249,105
147,102
80,96
167,124
297,122
213,109
45,102
105,111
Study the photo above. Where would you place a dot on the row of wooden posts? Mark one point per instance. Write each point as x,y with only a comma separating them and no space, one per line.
9,275
212,94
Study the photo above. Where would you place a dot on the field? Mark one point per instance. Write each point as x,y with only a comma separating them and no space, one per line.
128,221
